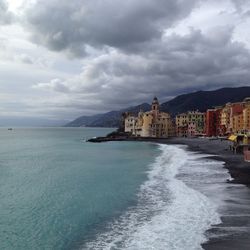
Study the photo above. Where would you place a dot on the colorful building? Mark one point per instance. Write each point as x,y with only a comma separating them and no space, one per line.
236,118
181,123
229,119
150,124
190,124
225,119
192,129
232,118
198,119
213,122
246,114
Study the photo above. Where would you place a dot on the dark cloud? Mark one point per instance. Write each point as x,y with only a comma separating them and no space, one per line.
176,64
240,5
135,52
71,25
5,15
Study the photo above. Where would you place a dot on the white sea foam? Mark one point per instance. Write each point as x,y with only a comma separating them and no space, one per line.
170,213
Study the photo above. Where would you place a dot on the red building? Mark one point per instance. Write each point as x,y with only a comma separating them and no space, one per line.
213,127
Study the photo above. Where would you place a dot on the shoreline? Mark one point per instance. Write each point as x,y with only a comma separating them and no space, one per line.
237,218
217,148
239,170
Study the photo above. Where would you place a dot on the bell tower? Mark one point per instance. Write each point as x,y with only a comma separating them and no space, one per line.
155,108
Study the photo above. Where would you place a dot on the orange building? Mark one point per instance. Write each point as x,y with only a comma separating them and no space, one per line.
246,115
236,118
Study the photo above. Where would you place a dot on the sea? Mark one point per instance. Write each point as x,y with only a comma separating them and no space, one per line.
58,191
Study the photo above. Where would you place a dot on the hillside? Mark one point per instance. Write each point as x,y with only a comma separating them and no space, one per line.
200,100
110,119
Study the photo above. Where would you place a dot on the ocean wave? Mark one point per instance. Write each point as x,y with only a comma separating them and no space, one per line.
169,215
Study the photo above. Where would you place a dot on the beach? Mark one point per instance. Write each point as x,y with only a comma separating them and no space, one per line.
237,167
232,197
233,232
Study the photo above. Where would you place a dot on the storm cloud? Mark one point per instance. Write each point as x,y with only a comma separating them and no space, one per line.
193,61
5,15
73,25
110,54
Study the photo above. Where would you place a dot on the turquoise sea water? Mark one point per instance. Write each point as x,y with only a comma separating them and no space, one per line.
59,192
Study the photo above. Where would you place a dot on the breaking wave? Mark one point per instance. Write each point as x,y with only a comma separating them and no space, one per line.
170,213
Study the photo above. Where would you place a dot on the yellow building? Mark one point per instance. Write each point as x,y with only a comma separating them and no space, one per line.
181,119
238,124
151,124
225,118
246,119
181,122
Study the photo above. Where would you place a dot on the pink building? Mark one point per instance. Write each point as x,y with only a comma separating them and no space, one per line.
191,129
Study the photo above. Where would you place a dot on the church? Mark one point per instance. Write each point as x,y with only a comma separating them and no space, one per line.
153,123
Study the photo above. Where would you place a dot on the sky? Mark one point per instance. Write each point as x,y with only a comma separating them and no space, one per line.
62,59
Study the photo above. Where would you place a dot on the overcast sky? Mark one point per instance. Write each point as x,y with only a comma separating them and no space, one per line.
60,59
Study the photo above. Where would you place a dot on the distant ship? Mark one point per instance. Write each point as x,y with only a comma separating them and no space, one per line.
10,128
